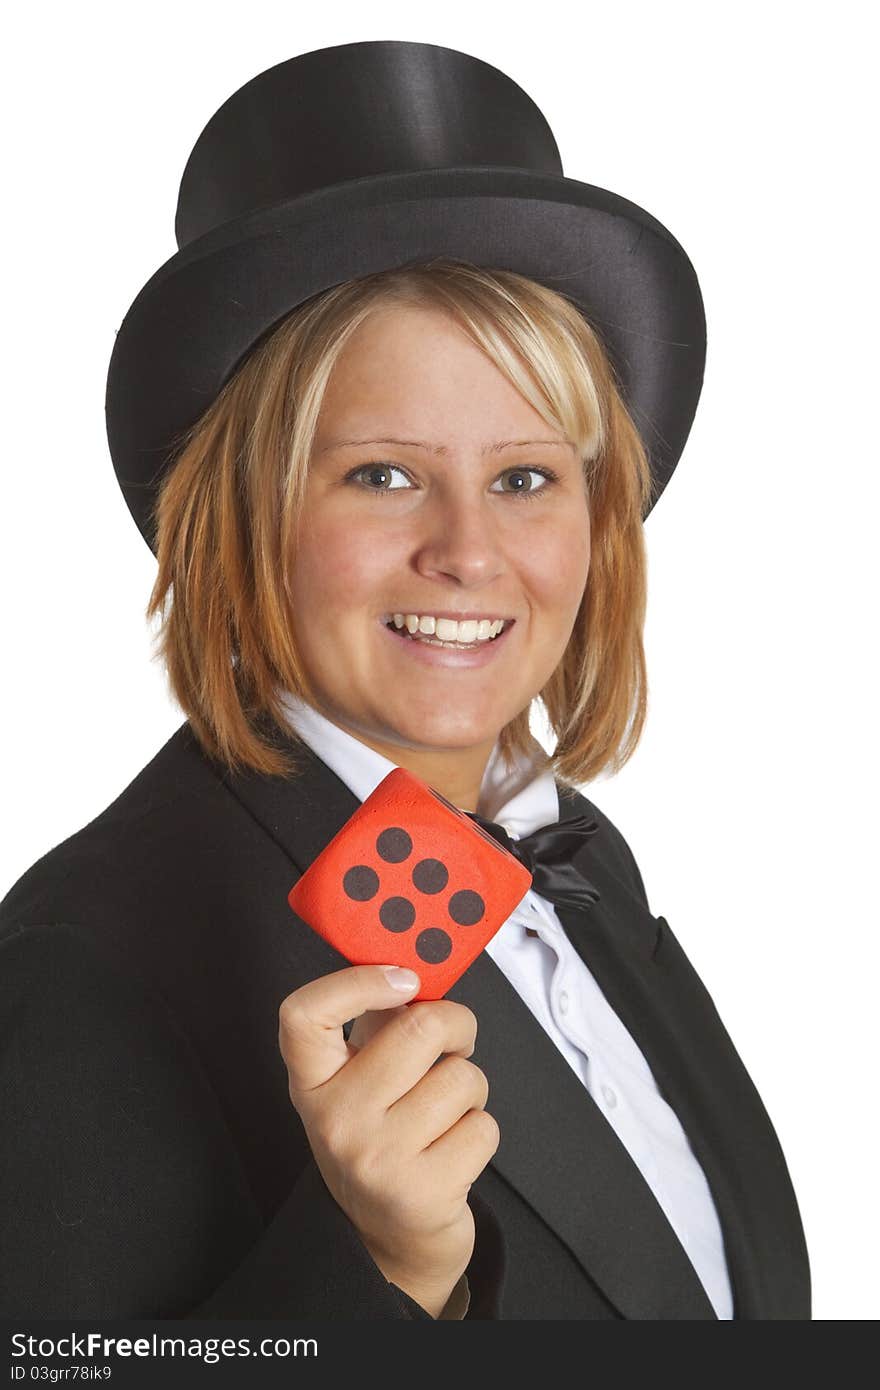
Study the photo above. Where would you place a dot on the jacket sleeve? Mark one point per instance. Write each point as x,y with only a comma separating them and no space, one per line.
121,1192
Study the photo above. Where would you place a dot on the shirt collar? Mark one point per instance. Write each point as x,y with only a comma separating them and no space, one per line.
516,796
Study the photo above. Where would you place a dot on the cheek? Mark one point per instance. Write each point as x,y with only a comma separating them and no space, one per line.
340,565
557,565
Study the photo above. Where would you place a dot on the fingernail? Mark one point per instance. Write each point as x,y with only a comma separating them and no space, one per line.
400,978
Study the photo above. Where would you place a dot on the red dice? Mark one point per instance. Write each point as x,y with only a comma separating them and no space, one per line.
410,880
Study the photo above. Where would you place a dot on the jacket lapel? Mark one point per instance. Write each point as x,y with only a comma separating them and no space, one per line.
660,999
560,1152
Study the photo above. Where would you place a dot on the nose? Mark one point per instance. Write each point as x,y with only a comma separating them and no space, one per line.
459,539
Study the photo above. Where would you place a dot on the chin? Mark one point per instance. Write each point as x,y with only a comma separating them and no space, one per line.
438,737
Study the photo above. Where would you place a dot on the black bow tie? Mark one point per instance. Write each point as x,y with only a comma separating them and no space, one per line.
546,853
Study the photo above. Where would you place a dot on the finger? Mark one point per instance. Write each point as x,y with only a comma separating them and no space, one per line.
404,1049
459,1156
368,1025
446,1092
310,1020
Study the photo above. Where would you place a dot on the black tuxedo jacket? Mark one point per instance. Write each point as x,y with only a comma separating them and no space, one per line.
152,1166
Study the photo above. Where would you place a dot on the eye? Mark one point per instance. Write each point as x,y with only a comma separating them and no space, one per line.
376,468
379,469
528,492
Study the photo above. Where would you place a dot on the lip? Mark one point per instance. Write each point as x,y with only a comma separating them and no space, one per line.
445,656
456,617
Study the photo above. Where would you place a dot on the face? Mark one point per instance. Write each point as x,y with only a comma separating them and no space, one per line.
444,523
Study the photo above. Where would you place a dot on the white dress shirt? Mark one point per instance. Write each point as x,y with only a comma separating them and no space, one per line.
533,951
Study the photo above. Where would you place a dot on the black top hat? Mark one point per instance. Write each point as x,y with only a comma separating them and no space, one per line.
360,157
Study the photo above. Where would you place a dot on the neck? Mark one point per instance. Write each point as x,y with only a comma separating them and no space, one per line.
456,773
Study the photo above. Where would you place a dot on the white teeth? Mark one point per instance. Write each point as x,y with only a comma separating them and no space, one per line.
448,630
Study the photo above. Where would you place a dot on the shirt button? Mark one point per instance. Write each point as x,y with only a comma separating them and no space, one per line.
610,1097
563,1003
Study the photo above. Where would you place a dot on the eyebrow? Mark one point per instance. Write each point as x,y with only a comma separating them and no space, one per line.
441,449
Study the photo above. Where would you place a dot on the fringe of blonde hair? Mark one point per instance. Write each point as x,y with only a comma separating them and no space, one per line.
227,513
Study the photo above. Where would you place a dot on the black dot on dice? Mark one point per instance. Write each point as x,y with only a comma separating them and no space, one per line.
466,907
394,845
397,914
361,883
430,876
433,945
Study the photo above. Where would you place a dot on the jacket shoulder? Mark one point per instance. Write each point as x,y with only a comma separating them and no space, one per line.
168,795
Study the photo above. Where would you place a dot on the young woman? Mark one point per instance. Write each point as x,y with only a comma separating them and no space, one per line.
396,489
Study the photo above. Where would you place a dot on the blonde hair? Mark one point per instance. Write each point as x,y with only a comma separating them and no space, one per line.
228,509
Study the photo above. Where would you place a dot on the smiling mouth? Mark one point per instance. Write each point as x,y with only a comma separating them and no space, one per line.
426,639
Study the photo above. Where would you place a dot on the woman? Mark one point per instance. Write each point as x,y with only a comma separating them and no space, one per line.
345,416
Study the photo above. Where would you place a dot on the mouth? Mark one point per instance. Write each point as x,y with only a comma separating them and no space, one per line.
389,620
428,649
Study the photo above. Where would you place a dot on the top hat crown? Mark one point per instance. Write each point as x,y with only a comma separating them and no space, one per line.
355,111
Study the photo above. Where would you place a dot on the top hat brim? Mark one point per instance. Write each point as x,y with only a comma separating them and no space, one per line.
198,317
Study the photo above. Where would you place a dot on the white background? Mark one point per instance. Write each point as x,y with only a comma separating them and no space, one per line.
749,803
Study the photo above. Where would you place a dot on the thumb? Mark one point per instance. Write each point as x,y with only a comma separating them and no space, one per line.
310,1019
